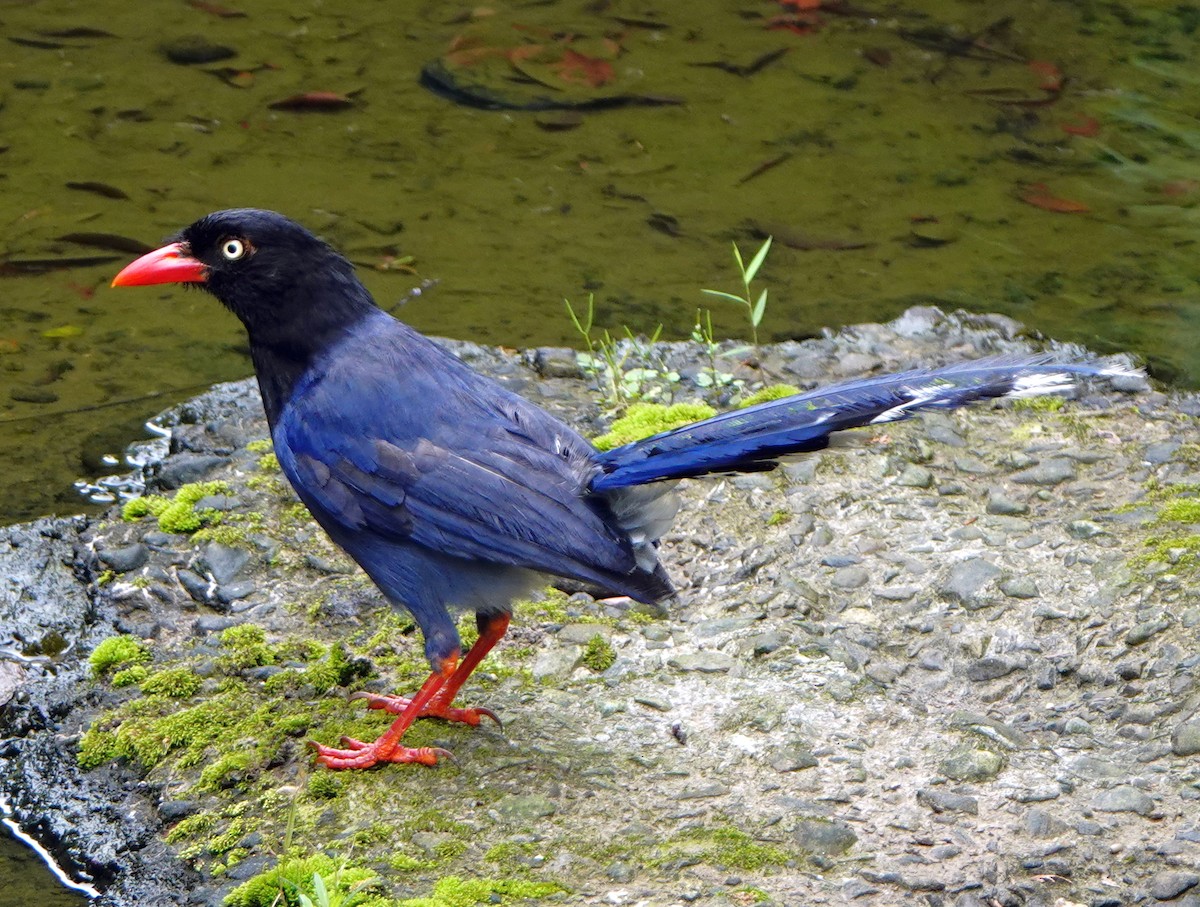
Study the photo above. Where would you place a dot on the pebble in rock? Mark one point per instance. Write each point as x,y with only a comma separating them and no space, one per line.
1124,798
827,838
1185,741
1051,472
966,582
941,801
967,763
1170,884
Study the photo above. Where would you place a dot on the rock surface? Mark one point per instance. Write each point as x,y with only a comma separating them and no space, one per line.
944,666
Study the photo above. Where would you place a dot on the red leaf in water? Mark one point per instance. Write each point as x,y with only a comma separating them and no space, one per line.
1039,195
580,70
313,100
1085,126
216,9
1180,188
800,23
1051,75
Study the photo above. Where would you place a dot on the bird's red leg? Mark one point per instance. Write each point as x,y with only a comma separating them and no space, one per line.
492,628
387,748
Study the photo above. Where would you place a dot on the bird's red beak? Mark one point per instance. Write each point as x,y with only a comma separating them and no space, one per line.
170,264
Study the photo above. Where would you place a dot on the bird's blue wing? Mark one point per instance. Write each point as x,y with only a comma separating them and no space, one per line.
440,464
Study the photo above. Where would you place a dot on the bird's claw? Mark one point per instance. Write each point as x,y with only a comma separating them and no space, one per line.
397,704
358,755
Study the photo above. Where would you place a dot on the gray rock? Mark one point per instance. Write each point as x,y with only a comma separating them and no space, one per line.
967,581
224,562
557,362
1023,587
991,668
971,763
702,791
824,837
705,661
1047,473
915,476
999,504
125,558
1146,630
850,578
1185,739
519,808
1170,884
1124,798
941,801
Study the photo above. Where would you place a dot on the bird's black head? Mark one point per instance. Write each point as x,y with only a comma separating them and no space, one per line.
266,269
295,295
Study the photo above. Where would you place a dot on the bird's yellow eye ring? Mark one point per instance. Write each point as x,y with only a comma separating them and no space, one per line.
233,249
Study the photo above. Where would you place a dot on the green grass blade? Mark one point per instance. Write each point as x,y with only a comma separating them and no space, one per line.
759,258
760,307
723,295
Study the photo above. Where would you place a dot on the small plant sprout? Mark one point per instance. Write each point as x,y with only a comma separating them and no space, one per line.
605,358
757,308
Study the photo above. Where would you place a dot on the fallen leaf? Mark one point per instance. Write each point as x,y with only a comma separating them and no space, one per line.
1051,75
1085,126
216,9
1039,195
578,69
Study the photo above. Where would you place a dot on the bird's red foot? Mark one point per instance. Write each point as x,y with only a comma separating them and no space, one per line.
358,754
436,709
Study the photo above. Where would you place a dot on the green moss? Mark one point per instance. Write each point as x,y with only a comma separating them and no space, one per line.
1181,510
268,463
178,514
599,654
283,884
453,891
726,847
130,676
116,652
1047,403
226,770
179,683
769,393
260,446
105,577
232,536
247,647
326,785
192,827
778,517
642,420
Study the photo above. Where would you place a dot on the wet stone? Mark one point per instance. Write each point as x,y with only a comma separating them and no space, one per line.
1144,631
915,476
224,562
126,558
197,586
556,362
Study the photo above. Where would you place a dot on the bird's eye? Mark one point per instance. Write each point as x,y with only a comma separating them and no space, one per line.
233,249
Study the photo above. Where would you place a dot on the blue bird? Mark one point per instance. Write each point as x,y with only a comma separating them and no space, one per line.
453,493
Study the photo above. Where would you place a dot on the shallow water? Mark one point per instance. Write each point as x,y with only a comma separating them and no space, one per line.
1034,158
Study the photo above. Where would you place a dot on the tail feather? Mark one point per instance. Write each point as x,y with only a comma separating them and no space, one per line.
755,438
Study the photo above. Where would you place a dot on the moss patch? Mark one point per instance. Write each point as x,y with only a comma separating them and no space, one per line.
642,420
117,652
769,393
178,513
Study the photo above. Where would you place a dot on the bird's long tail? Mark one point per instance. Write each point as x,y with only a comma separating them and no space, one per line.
755,438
